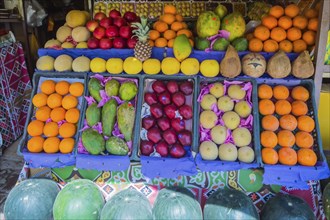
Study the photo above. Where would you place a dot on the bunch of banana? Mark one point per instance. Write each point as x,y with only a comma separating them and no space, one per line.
142,9
100,7
155,9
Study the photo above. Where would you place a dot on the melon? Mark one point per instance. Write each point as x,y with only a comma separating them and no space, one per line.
63,33
229,204
80,34
82,45
31,199
52,43
45,63
79,199
117,206
67,45
63,63
81,64
234,23
76,18
176,203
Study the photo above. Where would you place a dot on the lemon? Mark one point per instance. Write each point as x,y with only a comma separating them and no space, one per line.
190,66
170,66
82,45
210,68
151,66
132,65
114,65
97,65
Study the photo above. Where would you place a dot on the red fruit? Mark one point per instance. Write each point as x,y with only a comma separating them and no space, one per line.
170,111
146,148
185,137
156,110
163,123
105,43
187,87
91,25
130,16
177,124
162,149
172,87
114,13
106,22
164,98
148,122
177,151
119,22
131,42
159,86
119,43
125,32
150,98
186,112
169,136
93,43
154,135
99,15
112,31
178,99
99,32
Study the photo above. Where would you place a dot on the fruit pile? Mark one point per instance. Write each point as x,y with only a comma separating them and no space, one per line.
166,130
110,116
285,29
286,137
56,116
226,120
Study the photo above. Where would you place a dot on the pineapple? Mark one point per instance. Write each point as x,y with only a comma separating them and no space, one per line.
142,49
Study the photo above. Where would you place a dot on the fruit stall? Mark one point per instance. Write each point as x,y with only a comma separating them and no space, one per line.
179,110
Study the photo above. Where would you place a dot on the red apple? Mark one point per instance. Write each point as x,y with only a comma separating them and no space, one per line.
169,136
159,86
162,148
114,13
146,148
148,122
170,111
130,16
154,135
150,98
164,98
112,31
119,43
163,123
105,43
131,42
106,22
93,43
99,32
91,25
177,124
185,137
178,99
119,21
99,15
186,112
186,87
125,32
172,87
156,110
177,151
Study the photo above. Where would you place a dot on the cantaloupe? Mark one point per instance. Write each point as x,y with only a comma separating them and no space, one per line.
63,33
67,45
81,64
80,34
45,63
52,43
63,63
76,18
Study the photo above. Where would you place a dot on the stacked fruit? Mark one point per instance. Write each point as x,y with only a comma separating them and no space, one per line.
226,120
285,113
113,31
56,117
285,29
169,25
167,129
110,116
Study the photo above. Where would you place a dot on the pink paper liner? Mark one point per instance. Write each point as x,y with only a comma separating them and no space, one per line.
221,34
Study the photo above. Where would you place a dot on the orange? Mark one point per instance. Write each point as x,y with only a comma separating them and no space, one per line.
270,123
167,18
69,101
34,145
170,43
255,45
288,122
161,42
300,93
261,32
282,107
293,34
51,129
51,145
278,34
299,46
57,114
304,139
184,31
249,36
48,87
178,18
287,156
286,138
300,22
286,46
268,139
169,34
299,108
153,35
311,13
266,107
72,115
35,128
67,130
280,92
270,46
176,26
285,22
307,157
76,89
306,123
269,21
292,10
39,100
191,41
276,11
54,100
313,24
184,25
309,37
170,9
317,6
43,113
269,156
66,145
265,92
62,87
151,43
160,26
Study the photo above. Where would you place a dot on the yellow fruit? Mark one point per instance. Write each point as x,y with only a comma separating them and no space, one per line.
210,68
151,66
181,47
114,65
76,89
66,145
76,18
52,43
170,66
81,64
63,63
190,66
132,65
35,144
82,45
45,63
80,34
67,45
97,65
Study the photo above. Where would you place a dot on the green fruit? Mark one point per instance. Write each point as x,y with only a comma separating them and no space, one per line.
94,88
208,24
220,44
235,24
116,146
240,44
202,43
125,120
93,141
128,91
221,11
181,47
109,111
93,114
112,87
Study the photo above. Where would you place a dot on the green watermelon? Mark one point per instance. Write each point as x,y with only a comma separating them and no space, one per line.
79,199
176,203
31,199
326,200
117,206
235,24
229,204
286,207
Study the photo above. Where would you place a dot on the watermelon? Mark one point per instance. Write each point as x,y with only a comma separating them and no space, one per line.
176,203
31,199
79,199
326,200
286,207
117,206
229,204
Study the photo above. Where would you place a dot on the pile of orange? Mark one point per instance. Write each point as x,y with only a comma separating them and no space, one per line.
285,29
169,25
286,126
56,115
